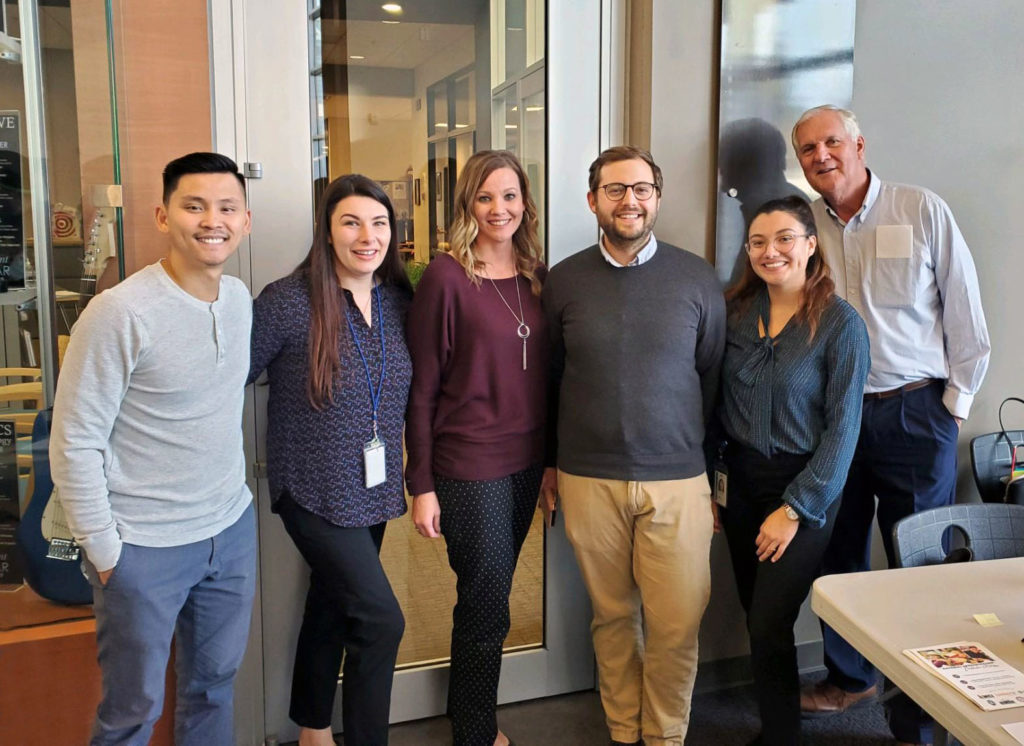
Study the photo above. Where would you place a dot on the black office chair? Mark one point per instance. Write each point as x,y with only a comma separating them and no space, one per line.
991,456
985,530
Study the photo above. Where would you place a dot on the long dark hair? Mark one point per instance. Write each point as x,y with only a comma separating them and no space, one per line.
325,299
818,287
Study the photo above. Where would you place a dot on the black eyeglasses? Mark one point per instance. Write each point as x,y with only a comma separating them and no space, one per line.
641,190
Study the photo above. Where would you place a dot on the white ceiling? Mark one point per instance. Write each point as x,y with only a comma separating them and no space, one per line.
397,45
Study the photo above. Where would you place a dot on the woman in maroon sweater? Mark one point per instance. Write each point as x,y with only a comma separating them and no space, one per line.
475,423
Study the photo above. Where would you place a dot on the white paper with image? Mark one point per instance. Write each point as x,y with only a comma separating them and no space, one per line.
975,672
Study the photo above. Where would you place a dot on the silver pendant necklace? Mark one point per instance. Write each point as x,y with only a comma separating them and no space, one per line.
522,331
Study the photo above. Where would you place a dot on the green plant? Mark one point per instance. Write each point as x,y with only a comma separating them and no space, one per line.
415,272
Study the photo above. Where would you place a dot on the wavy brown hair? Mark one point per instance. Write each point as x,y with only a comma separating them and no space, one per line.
818,287
325,297
463,231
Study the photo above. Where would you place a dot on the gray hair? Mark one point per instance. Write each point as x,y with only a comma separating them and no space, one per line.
847,117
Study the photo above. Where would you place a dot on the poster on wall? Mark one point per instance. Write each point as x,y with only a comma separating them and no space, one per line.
779,58
10,567
11,571
12,222
9,508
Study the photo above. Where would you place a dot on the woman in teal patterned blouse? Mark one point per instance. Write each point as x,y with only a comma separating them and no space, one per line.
793,378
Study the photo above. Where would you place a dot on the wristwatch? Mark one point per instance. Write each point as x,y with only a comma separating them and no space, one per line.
790,513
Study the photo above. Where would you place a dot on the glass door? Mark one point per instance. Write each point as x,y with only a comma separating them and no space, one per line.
59,224
404,98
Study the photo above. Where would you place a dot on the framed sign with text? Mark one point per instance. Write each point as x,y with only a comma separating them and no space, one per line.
12,222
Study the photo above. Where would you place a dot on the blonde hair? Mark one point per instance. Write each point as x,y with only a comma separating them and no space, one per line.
463,231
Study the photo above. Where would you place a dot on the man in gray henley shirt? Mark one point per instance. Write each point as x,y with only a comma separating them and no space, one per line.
638,332
146,451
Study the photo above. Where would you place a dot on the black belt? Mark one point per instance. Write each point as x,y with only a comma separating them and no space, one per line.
912,386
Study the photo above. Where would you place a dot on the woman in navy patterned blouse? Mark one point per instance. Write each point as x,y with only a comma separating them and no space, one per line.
331,338
792,387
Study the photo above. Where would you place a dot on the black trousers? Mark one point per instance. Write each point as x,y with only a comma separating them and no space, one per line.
350,609
484,525
771,593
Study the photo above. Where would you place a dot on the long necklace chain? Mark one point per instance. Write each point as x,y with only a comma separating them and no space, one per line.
365,310
522,331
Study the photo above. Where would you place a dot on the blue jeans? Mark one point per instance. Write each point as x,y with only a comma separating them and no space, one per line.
201,595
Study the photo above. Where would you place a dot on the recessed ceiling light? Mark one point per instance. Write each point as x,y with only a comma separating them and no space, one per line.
511,126
391,8
356,57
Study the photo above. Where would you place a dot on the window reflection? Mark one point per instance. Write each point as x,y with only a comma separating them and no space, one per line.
407,103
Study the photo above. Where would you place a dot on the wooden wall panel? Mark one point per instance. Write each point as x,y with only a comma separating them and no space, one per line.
92,94
52,686
163,82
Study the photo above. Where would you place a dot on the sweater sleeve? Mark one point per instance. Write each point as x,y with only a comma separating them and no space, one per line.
429,335
556,366
267,332
711,346
847,360
105,347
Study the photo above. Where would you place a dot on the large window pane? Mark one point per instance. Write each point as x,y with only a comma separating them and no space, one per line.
407,100
74,176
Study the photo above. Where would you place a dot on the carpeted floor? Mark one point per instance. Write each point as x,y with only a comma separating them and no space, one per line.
723,718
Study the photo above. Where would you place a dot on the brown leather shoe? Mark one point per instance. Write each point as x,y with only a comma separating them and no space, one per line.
828,699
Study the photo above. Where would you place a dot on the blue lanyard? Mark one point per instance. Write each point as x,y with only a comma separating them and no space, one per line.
374,397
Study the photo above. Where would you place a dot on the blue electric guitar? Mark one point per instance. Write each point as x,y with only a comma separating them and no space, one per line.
51,558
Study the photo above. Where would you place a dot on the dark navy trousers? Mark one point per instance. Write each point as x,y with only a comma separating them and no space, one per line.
484,524
771,592
906,457
351,614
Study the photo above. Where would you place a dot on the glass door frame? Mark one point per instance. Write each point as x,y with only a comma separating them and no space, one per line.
246,85
442,170
41,297
35,139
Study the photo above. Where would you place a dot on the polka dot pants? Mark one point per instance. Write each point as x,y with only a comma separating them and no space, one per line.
484,525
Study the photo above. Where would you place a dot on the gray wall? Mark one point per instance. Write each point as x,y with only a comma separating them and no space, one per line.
937,89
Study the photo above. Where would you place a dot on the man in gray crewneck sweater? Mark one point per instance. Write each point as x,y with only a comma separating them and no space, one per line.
638,332
146,451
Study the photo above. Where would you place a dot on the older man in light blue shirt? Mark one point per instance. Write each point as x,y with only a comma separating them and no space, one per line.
899,258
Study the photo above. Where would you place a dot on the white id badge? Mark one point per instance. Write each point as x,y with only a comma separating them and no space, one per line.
721,486
373,460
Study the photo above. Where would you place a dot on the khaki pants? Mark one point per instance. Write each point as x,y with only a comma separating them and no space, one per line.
643,550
